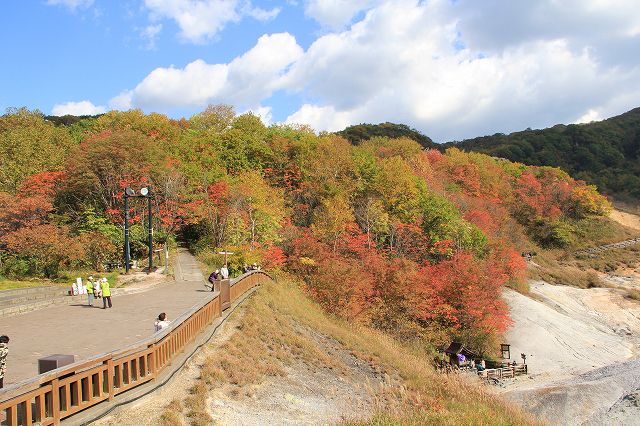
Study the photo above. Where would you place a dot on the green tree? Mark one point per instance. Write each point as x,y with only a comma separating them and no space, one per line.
28,145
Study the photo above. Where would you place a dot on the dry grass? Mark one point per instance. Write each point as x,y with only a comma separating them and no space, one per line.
172,415
633,294
521,286
611,260
195,404
264,343
275,332
555,267
425,396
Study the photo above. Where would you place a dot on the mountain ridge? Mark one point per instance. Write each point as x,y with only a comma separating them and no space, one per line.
603,153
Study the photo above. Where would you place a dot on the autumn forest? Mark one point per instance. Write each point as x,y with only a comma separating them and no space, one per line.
413,241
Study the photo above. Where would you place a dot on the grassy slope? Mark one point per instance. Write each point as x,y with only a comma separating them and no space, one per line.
270,338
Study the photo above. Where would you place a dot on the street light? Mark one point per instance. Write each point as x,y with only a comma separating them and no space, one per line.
129,193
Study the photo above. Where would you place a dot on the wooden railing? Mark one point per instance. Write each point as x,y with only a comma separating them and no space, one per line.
504,372
50,397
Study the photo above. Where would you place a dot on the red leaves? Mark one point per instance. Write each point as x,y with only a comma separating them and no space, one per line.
356,281
434,156
273,258
41,184
32,204
218,192
465,292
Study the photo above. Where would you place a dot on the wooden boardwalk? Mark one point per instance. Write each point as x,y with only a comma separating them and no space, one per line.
605,247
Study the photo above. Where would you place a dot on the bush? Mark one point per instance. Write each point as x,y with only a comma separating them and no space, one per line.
16,267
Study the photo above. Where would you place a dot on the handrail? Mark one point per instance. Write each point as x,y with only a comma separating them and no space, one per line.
52,396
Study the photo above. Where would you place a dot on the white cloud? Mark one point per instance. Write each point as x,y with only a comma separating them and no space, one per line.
150,33
591,115
77,108
336,14
264,113
259,13
122,102
411,62
245,81
450,69
201,20
323,118
71,4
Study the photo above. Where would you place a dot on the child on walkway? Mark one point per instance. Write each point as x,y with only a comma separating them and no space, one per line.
161,322
97,291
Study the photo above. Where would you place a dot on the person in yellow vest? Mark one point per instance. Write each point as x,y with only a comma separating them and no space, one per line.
106,293
90,290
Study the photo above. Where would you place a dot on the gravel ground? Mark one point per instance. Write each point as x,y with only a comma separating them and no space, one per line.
601,396
581,347
306,395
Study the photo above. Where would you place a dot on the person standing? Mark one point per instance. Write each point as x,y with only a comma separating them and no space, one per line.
4,351
106,293
90,290
161,322
224,272
97,291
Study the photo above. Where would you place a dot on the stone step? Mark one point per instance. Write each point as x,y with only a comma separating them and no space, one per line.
29,306
33,290
18,299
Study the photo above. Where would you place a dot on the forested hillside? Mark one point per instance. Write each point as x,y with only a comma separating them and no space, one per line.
605,153
362,132
412,241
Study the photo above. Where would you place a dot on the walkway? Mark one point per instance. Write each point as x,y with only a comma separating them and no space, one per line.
84,331
620,244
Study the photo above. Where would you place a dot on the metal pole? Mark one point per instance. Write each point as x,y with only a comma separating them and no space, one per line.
150,232
126,233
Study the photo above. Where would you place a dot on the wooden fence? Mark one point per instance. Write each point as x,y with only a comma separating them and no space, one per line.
50,397
504,372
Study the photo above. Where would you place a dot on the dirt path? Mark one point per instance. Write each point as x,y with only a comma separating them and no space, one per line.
626,219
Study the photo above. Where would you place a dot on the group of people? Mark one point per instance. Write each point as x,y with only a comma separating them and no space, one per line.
99,289
219,274
223,273
247,268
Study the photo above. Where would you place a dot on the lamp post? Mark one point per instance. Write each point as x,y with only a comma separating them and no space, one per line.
128,192
144,193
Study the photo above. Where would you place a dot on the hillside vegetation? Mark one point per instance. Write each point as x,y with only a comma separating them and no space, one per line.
362,132
604,153
284,337
415,242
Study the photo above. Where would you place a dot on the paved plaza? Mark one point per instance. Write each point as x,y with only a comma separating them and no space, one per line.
84,331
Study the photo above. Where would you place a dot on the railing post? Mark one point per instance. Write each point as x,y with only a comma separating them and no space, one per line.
55,402
110,373
152,361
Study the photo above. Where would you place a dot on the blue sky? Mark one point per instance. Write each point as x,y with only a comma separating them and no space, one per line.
451,69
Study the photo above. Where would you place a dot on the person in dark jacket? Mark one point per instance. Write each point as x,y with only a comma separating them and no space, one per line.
215,275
